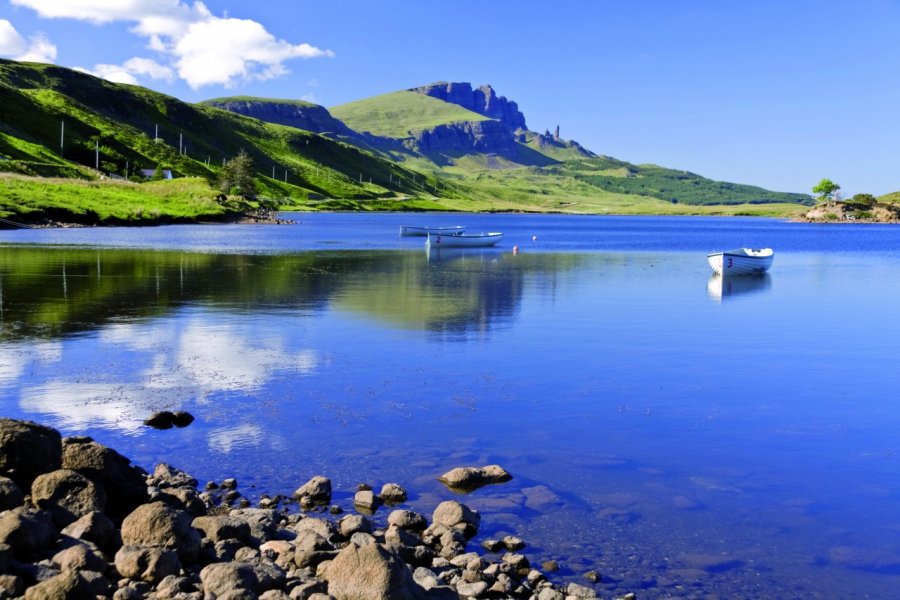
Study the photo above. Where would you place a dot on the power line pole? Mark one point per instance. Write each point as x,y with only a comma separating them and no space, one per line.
62,136
97,154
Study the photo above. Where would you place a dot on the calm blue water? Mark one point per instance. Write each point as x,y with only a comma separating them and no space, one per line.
680,435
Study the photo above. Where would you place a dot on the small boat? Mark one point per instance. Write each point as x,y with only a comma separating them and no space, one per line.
741,261
412,230
463,240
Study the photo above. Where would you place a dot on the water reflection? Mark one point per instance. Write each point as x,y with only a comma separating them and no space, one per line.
719,287
101,339
51,292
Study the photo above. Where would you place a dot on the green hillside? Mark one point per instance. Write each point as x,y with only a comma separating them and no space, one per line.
124,129
38,102
396,114
893,197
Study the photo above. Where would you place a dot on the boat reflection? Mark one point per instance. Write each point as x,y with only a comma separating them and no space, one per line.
719,287
437,255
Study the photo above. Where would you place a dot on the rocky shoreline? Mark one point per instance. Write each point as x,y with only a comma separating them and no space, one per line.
835,211
252,217
78,520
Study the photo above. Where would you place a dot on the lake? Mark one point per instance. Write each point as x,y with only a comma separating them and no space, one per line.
681,435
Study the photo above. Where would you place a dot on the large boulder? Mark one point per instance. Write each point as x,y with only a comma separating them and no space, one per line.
407,519
158,524
28,450
471,478
94,527
253,576
263,523
370,572
11,495
26,532
67,495
392,493
69,585
125,484
147,563
80,556
454,515
167,476
224,527
315,491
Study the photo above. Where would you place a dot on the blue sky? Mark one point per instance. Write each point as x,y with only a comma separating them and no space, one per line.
776,93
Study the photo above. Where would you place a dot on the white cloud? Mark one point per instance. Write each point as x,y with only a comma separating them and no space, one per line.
202,48
15,359
11,43
78,406
227,439
150,68
101,11
130,70
36,48
113,73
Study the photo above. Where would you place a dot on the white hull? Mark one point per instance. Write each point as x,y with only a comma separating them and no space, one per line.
743,261
412,230
463,240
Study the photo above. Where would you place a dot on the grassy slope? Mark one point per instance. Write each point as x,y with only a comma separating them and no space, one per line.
396,114
36,98
598,181
301,103
892,197
84,201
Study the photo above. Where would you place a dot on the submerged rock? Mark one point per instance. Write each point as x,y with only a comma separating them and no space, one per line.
472,478
165,419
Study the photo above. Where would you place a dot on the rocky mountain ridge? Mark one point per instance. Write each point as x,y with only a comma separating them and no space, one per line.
483,100
303,115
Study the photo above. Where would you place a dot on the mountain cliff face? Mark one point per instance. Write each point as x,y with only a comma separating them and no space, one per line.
488,137
483,101
302,115
306,116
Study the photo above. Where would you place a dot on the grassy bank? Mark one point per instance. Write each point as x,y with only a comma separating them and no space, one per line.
36,199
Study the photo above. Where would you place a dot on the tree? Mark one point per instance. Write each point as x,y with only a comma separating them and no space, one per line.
236,176
827,189
158,174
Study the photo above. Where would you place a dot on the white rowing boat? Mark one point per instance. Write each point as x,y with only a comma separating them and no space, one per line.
463,240
741,261
413,230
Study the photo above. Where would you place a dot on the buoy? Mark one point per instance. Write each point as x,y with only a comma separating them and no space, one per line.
534,238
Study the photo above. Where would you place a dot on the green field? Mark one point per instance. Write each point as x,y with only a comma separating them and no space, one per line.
186,199
396,114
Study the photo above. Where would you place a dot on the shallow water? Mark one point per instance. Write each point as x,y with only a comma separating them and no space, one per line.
681,435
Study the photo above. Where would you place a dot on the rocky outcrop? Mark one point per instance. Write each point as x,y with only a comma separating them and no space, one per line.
483,101
843,212
160,551
28,450
466,137
306,116
302,115
472,478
